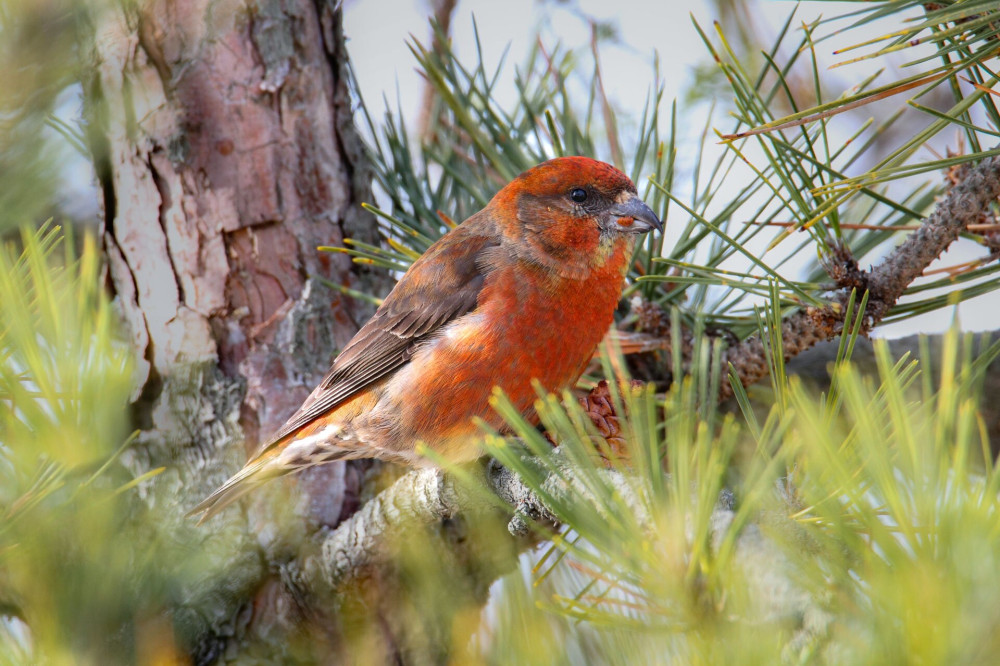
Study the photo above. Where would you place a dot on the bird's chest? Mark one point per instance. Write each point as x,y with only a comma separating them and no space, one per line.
554,322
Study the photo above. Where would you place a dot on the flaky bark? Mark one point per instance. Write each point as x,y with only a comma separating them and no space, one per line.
228,154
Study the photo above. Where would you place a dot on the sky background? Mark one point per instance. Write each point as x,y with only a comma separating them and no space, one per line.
378,32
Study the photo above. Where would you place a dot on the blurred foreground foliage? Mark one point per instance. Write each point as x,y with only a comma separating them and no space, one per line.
92,570
880,498
880,494
65,380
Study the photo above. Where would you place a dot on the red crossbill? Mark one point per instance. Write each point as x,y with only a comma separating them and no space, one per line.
523,290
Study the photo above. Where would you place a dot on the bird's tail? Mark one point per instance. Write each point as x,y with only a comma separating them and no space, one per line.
272,463
255,474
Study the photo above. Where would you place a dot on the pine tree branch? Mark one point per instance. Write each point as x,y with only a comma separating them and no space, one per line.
418,502
362,548
886,282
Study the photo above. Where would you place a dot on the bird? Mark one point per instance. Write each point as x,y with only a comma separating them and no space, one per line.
521,292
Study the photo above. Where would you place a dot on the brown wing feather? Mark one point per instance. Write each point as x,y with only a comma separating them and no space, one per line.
440,286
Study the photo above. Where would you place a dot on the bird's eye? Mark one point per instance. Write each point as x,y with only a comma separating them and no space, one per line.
578,195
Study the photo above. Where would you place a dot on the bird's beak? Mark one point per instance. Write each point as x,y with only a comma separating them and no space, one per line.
634,216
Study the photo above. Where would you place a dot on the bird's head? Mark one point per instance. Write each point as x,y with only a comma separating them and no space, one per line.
569,212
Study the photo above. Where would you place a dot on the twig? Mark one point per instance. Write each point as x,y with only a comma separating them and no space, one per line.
440,33
963,205
610,125
976,228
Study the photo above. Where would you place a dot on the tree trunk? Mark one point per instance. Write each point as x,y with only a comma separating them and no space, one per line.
225,143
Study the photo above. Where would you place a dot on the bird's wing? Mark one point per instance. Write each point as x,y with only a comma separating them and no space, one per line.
440,286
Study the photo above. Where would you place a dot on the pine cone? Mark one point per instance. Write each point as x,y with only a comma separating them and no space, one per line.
650,317
601,410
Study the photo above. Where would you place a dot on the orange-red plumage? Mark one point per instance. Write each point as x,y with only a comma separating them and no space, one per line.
522,290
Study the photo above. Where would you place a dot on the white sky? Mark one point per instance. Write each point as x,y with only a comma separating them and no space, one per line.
378,30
